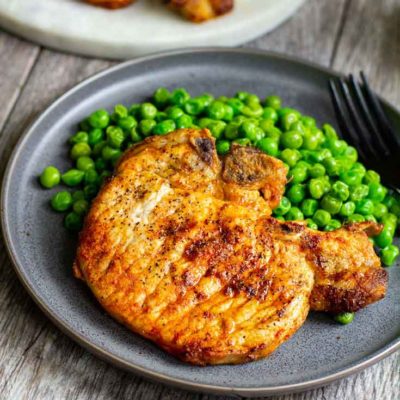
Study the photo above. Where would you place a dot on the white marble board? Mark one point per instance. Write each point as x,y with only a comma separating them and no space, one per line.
144,27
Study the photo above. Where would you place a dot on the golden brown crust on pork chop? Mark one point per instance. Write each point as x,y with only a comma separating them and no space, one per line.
203,271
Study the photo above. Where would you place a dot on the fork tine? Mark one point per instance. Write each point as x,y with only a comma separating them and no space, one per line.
360,130
346,127
388,135
368,118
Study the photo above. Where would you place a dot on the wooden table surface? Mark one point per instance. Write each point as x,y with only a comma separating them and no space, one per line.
37,361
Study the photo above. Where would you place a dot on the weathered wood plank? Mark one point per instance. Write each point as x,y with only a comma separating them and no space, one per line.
17,58
370,41
310,34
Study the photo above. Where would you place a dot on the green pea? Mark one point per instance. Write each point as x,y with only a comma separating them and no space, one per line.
308,122
310,141
179,97
331,204
73,221
134,135
290,156
347,209
204,122
329,131
294,214
291,140
298,174
95,136
331,165
390,219
120,111
273,102
316,187
134,110
389,254
146,126
222,147
242,141
283,206
280,218
161,97
340,190
61,201
359,192
73,177
252,101
385,238
160,116
336,146
370,218
271,131
231,131
90,191
78,195
174,112
84,163
194,106
148,111
91,176
164,127
379,210
100,165
97,148
207,99
296,193
229,113
50,177
115,137
317,170
252,112
351,178
365,206
354,218
250,130
217,128
321,218
287,119
303,164
236,105
311,224
99,119
332,225
270,114
110,153
80,150
216,110
184,121
377,192
371,176
79,137
80,207
127,123
389,201
268,146
344,318
359,167
309,207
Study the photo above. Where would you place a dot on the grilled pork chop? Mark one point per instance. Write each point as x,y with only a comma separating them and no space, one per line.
182,250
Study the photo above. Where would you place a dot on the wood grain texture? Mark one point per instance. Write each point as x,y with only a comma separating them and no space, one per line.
17,58
36,360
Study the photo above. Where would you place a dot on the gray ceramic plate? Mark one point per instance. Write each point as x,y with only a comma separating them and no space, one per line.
320,352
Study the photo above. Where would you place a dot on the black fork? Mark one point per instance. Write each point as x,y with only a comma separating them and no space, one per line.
364,125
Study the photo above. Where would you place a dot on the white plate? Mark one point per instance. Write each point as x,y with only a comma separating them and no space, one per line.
144,27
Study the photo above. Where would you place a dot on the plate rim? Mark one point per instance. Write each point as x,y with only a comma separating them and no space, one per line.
97,350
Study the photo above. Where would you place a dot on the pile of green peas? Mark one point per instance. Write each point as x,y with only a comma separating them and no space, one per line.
327,186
